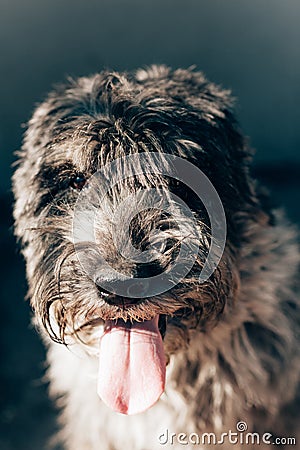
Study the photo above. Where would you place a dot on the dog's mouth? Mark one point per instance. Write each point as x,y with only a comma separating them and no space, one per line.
132,365
132,362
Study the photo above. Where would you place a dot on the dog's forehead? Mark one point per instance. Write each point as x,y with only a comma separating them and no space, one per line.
95,120
90,122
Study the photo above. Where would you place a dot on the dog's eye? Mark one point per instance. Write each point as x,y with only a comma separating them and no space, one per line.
78,181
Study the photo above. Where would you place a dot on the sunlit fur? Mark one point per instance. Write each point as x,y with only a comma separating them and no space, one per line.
232,342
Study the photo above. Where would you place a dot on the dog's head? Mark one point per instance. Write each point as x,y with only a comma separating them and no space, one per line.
113,233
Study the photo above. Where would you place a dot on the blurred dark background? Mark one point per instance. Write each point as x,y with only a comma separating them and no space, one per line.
251,47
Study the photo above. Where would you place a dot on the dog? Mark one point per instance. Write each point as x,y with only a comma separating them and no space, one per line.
144,351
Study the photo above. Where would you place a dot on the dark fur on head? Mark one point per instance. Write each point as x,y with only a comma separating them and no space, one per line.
89,122
247,362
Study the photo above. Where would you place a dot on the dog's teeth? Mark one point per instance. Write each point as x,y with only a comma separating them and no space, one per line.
104,294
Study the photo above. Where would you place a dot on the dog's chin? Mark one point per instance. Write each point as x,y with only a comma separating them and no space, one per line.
113,308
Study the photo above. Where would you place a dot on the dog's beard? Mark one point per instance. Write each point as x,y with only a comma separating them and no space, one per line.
66,285
73,308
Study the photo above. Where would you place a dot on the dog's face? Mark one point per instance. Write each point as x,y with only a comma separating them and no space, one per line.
82,128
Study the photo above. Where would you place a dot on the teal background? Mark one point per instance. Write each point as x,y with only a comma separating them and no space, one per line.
249,46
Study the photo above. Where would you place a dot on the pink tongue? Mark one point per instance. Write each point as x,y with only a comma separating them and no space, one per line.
132,366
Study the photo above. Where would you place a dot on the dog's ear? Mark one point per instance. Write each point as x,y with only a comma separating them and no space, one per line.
208,120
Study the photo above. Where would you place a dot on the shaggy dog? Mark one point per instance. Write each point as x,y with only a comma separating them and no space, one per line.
228,344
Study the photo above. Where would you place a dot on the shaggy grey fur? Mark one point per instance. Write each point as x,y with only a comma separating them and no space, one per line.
232,343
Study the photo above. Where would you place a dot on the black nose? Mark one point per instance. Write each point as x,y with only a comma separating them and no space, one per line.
137,288
127,288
